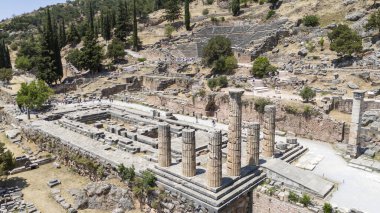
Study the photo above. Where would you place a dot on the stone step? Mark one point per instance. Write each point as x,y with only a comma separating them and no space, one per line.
296,155
290,152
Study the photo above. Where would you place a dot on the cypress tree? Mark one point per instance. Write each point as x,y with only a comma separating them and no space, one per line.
90,19
5,59
121,30
106,27
235,7
73,36
62,34
187,15
91,53
135,36
50,66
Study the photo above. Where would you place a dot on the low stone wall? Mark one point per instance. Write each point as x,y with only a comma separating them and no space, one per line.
263,203
113,90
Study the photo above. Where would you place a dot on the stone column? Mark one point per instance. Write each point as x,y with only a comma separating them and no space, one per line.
164,145
234,133
188,153
269,130
253,141
214,161
355,125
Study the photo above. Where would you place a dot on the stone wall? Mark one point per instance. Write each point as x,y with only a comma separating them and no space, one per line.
263,203
319,127
113,90
345,105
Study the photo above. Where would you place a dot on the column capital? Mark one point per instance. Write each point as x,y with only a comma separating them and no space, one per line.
235,92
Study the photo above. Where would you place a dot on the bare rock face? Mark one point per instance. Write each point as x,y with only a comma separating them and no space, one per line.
105,196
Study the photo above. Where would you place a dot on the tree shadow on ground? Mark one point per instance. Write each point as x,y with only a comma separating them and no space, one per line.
13,182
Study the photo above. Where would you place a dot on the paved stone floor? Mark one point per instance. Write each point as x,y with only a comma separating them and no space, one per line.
357,188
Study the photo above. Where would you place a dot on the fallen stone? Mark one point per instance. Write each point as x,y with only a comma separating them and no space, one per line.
354,16
352,85
302,52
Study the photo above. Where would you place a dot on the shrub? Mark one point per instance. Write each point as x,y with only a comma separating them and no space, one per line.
271,191
222,19
205,12
344,40
209,2
270,14
260,104
262,67
214,20
201,93
141,59
261,2
23,63
291,109
321,42
310,46
327,208
6,74
305,200
220,81
293,197
169,29
310,21
307,94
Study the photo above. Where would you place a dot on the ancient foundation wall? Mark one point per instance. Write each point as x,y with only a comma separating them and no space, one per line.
345,105
263,203
113,90
314,127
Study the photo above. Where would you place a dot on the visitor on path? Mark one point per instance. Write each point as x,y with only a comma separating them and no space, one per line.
213,123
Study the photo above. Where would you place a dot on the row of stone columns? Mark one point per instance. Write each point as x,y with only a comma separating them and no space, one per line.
214,163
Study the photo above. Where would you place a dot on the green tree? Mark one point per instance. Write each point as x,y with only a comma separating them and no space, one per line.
91,54
5,59
344,40
135,38
49,63
310,21
144,186
327,208
33,95
224,65
74,57
6,74
172,10
216,48
73,37
116,50
62,39
187,15
260,103
7,161
106,26
262,67
235,7
23,63
220,81
373,21
307,94
122,29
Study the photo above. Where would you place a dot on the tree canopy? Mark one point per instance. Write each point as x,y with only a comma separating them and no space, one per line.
33,95
307,94
116,50
344,40
7,161
218,54
262,67
172,10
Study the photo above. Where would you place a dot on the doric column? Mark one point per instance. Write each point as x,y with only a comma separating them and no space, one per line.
164,145
355,126
269,130
234,133
253,141
214,161
188,153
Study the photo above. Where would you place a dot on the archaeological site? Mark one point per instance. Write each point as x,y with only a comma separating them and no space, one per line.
227,106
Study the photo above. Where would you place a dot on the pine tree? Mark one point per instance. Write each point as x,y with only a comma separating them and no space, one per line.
122,30
135,36
187,15
73,36
172,10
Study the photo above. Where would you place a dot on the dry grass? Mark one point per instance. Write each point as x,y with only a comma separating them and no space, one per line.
340,116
